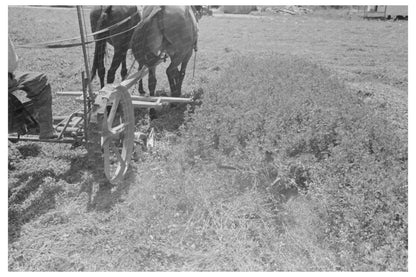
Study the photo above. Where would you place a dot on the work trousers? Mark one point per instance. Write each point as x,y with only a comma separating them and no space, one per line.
38,89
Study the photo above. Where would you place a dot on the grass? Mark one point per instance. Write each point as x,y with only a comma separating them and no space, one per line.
322,139
295,161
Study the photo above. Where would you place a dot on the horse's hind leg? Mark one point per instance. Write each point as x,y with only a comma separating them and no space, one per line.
101,71
123,71
183,70
117,58
174,78
98,63
152,81
152,86
141,90
101,75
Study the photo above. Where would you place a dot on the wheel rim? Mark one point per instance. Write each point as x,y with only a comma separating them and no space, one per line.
117,138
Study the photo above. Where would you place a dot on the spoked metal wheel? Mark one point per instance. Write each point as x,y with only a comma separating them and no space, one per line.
111,134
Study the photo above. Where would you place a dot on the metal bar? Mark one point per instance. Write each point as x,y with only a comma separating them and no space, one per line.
84,51
63,117
78,94
162,99
135,77
84,93
59,118
63,122
36,138
77,121
63,129
69,93
67,129
144,104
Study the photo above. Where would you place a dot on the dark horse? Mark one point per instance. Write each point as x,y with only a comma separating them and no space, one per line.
106,16
165,30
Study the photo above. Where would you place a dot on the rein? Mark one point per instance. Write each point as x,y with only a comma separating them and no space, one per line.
56,43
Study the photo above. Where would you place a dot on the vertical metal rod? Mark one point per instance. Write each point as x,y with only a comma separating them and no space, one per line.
84,92
84,50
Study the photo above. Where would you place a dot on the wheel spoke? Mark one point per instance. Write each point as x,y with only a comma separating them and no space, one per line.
113,168
106,155
113,110
114,133
117,153
119,129
122,164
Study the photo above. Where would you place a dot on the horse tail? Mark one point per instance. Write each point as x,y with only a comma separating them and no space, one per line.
138,41
135,18
145,34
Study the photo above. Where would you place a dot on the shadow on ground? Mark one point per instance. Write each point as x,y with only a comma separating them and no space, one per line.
32,192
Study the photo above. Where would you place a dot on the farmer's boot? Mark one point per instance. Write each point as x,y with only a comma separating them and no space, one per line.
43,114
45,124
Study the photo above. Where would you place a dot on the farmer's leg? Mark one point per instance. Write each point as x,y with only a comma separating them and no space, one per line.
38,89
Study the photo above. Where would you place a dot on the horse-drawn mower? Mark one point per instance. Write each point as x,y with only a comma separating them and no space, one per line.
105,124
